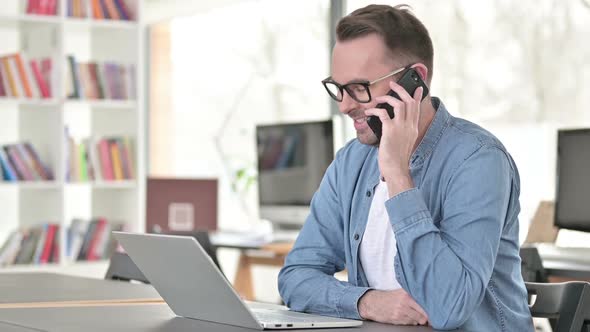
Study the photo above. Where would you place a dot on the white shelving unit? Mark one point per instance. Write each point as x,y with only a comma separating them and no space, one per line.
42,123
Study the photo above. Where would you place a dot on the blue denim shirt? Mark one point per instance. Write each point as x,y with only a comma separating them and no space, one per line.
456,232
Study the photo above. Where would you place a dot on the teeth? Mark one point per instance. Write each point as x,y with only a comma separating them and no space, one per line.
360,120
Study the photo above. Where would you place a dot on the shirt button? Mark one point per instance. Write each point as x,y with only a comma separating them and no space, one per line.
356,237
368,193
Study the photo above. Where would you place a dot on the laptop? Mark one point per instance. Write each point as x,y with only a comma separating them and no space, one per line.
193,287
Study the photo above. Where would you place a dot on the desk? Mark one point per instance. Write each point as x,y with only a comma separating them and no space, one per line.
565,263
51,287
143,318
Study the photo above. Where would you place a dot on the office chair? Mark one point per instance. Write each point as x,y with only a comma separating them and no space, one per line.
531,265
121,267
567,302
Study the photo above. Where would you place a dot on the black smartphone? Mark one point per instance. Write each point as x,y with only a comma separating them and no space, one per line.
410,81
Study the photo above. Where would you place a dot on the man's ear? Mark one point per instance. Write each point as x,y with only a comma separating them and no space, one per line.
422,70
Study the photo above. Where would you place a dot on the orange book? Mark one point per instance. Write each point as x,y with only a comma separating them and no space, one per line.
11,78
116,158
113,13
24,76
96,10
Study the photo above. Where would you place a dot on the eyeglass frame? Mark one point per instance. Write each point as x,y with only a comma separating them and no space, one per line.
365,83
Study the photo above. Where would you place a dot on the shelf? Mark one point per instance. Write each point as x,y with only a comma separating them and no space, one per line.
101,24
126,184
29,102
33,19
41,185
89,268
17,268
105,104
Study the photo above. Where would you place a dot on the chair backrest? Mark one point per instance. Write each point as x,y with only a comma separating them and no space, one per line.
121,267
568,302
531,264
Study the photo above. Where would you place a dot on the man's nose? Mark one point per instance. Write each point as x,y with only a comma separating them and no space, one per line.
347,104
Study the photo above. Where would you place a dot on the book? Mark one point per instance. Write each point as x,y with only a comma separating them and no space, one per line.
27,161
75,78
28,246
2,88
127,153
49,243
40,244
83,175
116,160
123,10
83,254
33,7
21,169
52,7
76,234
112,9
96,10
41,82
105,160
45,172
22,74
4,79
92,253
8,172
10,75
105,11
48,74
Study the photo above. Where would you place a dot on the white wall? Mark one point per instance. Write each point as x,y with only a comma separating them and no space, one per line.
162,10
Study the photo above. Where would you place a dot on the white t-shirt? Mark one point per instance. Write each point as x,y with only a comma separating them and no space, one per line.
378,249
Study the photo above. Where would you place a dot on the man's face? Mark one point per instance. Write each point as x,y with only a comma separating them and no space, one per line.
362,58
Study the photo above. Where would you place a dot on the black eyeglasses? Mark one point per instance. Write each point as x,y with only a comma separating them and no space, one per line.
358,90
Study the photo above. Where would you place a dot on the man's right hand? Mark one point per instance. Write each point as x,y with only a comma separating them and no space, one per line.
391,307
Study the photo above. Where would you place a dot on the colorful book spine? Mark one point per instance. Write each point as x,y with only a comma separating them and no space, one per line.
116,160
41,83
10,76
7,168
2,88
123,10
105,159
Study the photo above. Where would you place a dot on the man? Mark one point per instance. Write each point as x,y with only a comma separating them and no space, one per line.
425,220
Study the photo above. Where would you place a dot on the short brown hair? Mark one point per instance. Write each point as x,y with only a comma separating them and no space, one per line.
404,35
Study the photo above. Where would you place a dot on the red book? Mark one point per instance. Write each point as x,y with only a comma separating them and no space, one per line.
55,250
98,233
52,7
46,73
49,236
43,7
2,88
105,159
43,86
33,7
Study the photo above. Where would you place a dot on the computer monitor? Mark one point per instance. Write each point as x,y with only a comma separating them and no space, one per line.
572,198
292,159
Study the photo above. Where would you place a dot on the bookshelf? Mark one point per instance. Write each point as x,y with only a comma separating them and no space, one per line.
41,121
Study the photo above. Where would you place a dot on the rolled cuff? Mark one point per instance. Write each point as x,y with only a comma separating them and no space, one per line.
348,305
406,208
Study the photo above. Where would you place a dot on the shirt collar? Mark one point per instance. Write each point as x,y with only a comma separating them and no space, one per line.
433,133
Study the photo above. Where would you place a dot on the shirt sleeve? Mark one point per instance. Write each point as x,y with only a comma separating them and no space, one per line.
446,269
307,282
